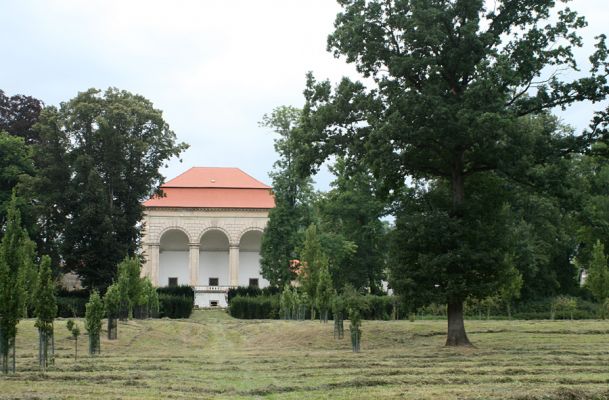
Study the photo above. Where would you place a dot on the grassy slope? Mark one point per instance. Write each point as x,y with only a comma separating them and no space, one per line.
214,356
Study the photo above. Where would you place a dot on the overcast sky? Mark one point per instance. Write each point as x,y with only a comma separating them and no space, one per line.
213,67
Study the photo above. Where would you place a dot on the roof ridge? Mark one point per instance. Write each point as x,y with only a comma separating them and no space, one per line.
219,177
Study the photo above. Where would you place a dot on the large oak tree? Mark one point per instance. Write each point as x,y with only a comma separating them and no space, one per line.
450,87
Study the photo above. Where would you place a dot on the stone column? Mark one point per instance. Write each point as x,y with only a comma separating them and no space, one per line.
153,263
233,265
194,263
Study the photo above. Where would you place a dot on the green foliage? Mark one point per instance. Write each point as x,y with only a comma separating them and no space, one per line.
312,258
354,305
259,307
564,304
251,291
45,309
338,313
110,146
15,166
286,302
597,280
325,291
291,215
15,275
450,109
181,290
93,321
175,306
351,230
112,301
71,304
176,301
148,302
75,332
129,283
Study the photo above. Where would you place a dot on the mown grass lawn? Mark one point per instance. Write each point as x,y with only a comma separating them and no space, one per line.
214,356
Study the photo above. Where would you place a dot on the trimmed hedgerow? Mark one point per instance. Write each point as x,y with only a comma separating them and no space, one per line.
182,290
254,307
172,306
71,303
251,291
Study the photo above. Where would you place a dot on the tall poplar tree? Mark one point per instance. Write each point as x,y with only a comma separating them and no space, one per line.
13,296
45,309
451,85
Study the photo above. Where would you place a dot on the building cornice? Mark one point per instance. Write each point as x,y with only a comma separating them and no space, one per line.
152,208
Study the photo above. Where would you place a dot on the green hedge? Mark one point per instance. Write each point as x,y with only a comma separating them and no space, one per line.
251,291
71,303
254,307
71,307
182,290
175,306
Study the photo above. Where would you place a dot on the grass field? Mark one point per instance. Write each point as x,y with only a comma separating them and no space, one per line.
214,356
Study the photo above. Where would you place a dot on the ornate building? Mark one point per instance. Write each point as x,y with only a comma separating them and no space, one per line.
206,232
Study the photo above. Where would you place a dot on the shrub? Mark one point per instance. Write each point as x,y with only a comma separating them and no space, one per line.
254,307
175,306
378,307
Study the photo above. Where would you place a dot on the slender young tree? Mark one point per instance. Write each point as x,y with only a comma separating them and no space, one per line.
597,280
325,291
338,312
312,257
451,87
129,283
14,253
45,309
112,303
93,321
75,332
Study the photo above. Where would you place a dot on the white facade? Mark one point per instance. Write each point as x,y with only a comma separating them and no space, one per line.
210,249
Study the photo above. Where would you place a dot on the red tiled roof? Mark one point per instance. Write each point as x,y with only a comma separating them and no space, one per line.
203,187
210,177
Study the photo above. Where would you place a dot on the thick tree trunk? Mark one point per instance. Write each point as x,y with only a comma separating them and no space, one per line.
456,335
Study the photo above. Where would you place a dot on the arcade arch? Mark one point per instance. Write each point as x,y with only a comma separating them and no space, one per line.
173,258
214,249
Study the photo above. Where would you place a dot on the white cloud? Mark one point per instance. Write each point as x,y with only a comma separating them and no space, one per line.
214,67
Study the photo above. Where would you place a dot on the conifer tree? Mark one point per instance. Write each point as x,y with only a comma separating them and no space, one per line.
45,309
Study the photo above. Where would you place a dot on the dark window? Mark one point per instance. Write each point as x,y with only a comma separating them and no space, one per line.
213,282
173,281
213,303
254,282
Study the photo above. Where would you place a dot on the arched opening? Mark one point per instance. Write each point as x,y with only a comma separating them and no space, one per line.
173,258
213,259
249,260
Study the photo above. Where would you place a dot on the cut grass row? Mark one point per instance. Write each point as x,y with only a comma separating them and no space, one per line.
214,356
